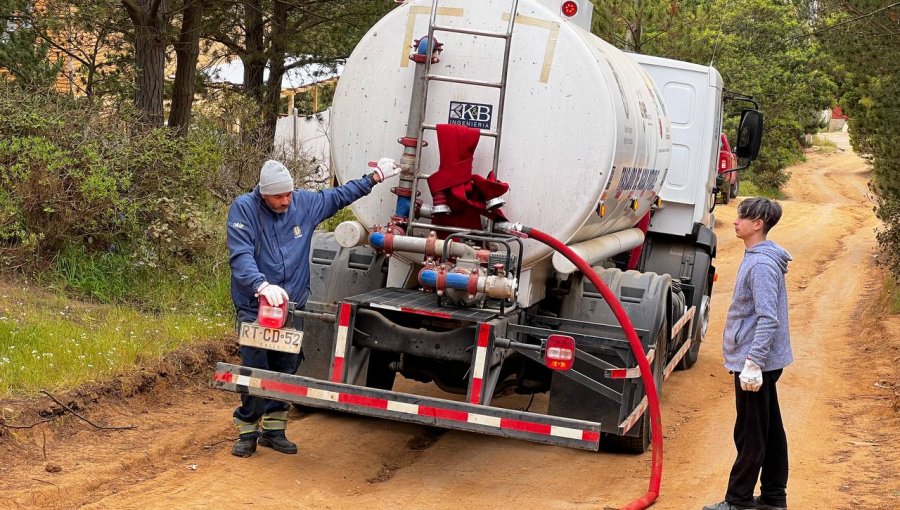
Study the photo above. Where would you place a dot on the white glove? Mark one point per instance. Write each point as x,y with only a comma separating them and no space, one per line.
385,168
751,376
274,294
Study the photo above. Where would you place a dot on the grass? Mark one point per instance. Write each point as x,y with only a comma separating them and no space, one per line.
45,347
823,145
751,189
892,295
92,316
112,278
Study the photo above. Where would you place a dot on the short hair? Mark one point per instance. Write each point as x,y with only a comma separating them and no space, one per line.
759,208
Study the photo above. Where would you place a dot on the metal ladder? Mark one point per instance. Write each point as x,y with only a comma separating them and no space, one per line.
429,77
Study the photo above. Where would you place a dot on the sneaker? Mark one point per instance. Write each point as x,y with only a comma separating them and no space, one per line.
278,443
724,505
761,505
244,447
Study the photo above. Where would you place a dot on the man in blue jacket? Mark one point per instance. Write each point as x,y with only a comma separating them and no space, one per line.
269,233
757,346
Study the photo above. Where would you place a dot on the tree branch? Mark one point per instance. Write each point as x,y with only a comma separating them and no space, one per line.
135,12
228,43
8,426
67,408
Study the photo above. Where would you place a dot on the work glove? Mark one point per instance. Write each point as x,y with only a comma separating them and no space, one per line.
385,168
274,294
751,376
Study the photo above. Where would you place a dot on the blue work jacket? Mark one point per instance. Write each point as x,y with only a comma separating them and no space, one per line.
265,246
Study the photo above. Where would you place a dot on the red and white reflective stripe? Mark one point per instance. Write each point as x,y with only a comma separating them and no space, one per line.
688,315
629,373
635,415
416,311
406,408
340,343
675,359
484,334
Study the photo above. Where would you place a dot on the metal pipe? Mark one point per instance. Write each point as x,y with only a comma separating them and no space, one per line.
420,245
498,287
599,248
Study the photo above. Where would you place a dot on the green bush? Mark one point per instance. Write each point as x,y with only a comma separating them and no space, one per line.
343,215
74,172
114,278
888,234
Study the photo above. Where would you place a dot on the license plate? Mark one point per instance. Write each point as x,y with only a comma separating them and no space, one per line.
284,340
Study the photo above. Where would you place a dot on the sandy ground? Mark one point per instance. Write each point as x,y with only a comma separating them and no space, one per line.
839,399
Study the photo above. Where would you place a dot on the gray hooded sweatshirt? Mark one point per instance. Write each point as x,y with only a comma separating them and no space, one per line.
757,323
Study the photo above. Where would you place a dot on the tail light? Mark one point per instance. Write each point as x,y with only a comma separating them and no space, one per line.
560,352
271,316
569,8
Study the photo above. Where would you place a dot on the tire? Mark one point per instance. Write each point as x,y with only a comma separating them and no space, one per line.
693,353
629,444
726,194
641,442
735,188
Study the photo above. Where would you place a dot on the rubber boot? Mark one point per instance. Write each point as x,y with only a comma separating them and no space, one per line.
245,446
273,425
278,442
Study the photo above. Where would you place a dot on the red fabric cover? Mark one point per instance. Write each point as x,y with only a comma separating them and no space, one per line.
454,185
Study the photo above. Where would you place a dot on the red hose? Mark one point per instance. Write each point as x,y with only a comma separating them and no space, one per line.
646,374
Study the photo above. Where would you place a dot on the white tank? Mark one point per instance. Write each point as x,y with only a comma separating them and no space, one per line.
583,124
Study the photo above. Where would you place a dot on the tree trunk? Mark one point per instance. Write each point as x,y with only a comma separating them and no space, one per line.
255,59
149,19
278,49
187,50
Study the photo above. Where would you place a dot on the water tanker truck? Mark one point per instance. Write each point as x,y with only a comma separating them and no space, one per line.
435,306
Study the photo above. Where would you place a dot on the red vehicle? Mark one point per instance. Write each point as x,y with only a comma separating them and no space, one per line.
727,182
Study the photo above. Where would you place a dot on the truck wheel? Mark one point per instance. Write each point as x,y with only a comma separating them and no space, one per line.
629,444
641,442
726,194
693,353
735,188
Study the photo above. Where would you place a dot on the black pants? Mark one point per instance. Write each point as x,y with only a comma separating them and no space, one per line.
762,452
253,408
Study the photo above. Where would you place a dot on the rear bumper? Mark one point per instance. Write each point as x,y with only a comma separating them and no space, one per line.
392,405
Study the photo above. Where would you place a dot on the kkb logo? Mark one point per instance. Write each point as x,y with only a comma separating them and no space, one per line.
473,115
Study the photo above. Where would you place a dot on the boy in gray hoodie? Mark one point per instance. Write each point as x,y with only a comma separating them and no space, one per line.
757,346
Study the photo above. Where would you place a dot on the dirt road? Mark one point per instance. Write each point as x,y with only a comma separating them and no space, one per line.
837,398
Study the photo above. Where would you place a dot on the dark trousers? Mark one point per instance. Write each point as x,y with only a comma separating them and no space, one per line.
253,408
762,452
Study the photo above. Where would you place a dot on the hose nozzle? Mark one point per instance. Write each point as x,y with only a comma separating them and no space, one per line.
515,229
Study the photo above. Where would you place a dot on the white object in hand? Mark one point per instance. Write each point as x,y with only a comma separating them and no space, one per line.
751,376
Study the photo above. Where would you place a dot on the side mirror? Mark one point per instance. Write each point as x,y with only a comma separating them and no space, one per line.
749,136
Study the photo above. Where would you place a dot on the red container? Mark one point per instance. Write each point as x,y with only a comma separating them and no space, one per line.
271,316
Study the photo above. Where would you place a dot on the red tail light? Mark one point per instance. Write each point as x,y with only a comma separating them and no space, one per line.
271,316
569,8
560,352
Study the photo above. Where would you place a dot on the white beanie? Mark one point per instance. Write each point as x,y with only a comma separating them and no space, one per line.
275,179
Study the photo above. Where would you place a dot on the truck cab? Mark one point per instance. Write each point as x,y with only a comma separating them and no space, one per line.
728,180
